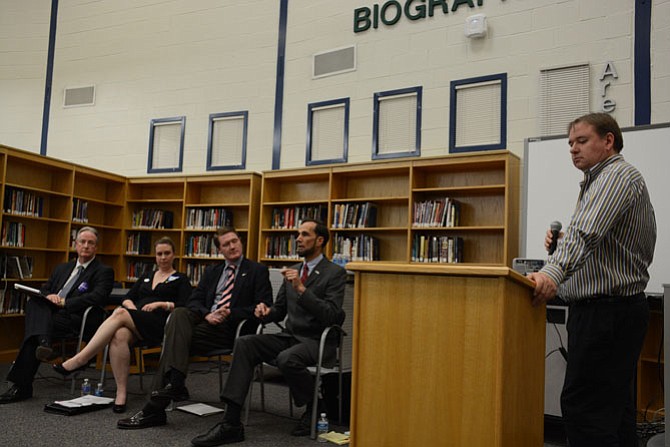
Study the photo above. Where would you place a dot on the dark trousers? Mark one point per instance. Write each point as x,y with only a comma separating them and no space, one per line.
186,334
45,320
292,356
598,398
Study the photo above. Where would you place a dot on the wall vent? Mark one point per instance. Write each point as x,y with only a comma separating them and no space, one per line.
79,96
331,62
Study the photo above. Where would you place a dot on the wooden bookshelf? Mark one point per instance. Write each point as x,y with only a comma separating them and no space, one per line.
237,194
485,184
650,398
104,197
150,196
38,195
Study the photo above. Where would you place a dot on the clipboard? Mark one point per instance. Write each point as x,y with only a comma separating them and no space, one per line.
29,290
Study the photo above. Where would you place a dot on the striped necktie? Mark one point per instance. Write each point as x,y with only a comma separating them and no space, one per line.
227,290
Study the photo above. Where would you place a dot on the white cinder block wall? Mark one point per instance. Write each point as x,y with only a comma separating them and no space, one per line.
166,58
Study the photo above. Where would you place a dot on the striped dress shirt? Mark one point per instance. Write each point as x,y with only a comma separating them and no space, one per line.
609,244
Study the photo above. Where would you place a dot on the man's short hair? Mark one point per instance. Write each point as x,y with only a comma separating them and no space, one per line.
603,123
90,230
224,230
320,229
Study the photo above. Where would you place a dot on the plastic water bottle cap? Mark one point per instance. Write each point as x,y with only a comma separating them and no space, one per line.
323,415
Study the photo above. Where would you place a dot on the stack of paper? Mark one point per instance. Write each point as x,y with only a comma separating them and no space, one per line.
335,438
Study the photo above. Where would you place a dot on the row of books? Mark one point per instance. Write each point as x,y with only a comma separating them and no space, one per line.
22,202
444,212
138,268
138,244
12,302
292,217
195,271
437,249
153,218
208,218
13,234
281,247
355,215
20,267
201,245
79,211
362,247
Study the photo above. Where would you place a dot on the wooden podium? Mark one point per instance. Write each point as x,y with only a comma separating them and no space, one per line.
446,355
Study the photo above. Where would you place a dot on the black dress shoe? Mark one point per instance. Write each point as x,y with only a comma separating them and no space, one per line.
119,408
304,427
143,420
222,433
66,373
15,394
170,392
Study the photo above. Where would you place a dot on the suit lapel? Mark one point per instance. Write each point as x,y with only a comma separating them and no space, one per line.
316,272
240,280
88,271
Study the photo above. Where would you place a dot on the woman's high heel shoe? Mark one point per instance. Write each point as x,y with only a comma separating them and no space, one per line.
58,367
119,408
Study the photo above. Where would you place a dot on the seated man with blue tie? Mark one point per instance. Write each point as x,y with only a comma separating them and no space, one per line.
311,295
227,294
71,289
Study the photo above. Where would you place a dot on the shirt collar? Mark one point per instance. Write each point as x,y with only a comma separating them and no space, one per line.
313,263
237,263
591,174
84,265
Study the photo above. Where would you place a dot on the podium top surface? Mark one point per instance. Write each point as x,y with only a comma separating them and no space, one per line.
441,269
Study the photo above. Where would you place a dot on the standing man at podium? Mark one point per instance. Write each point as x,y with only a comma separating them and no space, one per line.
599,267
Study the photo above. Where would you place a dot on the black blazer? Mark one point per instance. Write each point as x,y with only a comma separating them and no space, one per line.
319,307
252,286
92,287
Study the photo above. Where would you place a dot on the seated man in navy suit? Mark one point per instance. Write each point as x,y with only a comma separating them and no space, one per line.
71,289
227,294
311,295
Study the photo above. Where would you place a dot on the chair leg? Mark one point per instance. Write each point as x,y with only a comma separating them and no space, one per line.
315,404
220,374
140,366
105,354
262,383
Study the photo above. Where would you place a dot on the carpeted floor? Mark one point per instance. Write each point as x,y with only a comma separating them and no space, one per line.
26,424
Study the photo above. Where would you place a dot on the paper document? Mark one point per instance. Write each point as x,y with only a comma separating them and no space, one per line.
200,409
85,401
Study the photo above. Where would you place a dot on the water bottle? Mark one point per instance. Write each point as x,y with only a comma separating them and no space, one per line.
322,427
85,387
98,390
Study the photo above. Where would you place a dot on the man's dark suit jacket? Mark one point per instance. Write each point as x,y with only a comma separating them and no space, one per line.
92,287
319,307
252,286
44,319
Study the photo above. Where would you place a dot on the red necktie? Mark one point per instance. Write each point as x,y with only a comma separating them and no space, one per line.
305,274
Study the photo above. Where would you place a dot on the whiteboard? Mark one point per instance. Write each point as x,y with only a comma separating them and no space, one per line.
551,187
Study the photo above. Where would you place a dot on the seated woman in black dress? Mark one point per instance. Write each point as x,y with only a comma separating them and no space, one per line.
141,318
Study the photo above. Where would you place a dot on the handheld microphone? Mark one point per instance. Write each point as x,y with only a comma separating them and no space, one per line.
555,227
